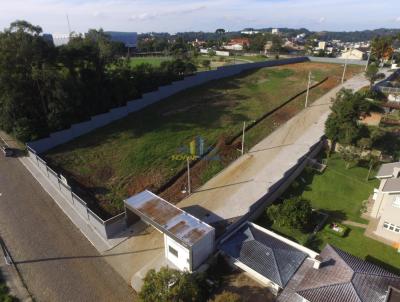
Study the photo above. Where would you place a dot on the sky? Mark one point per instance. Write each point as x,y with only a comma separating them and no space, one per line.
195,15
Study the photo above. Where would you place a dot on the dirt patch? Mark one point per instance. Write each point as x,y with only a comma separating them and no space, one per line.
373,119
236,281
150,181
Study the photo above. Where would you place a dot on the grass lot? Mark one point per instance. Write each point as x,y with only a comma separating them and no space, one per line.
155,61
339,192
135,153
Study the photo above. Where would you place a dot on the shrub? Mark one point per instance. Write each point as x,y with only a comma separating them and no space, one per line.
341,232
172,285
227,296
294,212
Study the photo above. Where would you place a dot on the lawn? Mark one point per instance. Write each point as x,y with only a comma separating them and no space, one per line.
136,152
339,192
155,61
361,246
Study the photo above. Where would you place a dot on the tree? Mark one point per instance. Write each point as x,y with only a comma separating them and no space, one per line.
206,64
294,212
364,143
371,74
171,285
351,157
381,47
227,296
220,32
276,44
211,52
342,124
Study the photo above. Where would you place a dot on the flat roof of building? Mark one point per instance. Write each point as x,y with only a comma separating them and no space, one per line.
386,170
391,185
168,218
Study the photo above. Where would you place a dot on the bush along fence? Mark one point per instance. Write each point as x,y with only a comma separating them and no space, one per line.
97,121
105,228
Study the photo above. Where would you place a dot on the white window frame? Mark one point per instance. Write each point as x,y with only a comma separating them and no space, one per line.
173,251
396,201
391,227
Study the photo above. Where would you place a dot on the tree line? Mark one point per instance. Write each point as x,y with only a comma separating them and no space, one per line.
44,88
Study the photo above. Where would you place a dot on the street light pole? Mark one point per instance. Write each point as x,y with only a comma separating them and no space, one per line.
244,128
308,89
188,175
345,66
369,56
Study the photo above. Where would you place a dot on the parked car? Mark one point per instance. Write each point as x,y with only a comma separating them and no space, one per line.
7,151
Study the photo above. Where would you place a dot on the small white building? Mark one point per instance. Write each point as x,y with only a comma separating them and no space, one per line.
321,45
188,241
353,54
275,31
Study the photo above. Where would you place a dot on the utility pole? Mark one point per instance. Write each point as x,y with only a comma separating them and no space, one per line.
244,128
344,70
345,66
188,175
69,26
308,88
369,56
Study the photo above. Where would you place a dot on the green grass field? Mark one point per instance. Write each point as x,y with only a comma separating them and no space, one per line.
155,61
339,192
135,153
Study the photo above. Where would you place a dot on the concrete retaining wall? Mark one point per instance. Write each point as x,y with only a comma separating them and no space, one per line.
337,61
97,121
276,190
107,229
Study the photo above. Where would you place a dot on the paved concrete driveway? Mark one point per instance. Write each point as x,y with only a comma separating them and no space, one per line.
54,258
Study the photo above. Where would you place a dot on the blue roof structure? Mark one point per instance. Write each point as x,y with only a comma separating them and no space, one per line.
128,38
267,255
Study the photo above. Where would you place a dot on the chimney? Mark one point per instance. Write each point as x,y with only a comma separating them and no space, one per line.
317,262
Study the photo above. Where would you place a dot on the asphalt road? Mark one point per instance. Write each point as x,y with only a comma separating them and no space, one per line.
55,260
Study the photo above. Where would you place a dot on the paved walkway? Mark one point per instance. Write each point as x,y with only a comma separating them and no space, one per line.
356,224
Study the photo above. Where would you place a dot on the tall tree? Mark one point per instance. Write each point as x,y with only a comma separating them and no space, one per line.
171,285
372,74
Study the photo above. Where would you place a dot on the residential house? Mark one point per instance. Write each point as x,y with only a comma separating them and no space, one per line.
237,44
353,54
341,277
386,207
270,259
275,31
297,274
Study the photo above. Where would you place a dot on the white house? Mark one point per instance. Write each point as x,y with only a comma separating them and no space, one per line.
353,54
386,207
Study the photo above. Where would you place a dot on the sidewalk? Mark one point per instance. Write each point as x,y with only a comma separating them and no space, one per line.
13,281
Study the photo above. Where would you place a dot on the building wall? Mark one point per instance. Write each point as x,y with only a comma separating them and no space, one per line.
182,261
390,214
203,249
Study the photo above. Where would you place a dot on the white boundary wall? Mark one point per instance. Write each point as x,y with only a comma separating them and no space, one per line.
106,228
